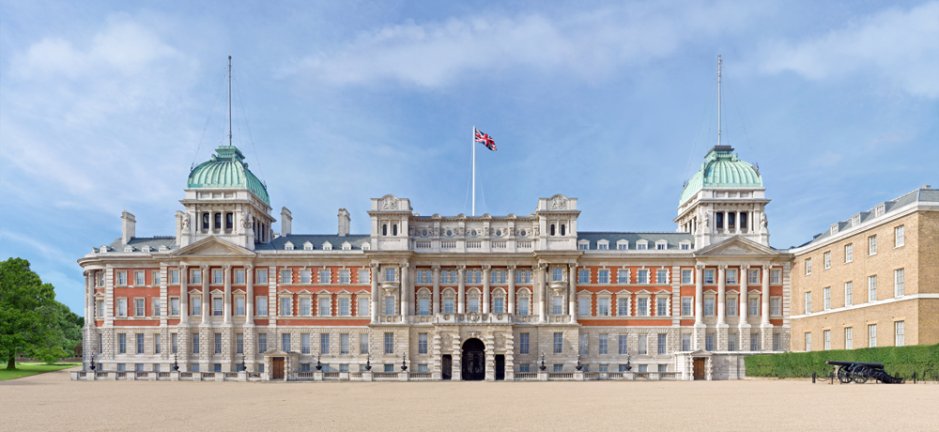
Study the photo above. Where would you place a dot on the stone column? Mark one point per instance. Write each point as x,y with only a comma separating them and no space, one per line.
87,345
435,301
542,275
461,288
249,296
226,311
743,329
206,299
486,270
183,295
206,347
164,311
699,326
722,327
766,329
404,291
571,293
511,293
375,295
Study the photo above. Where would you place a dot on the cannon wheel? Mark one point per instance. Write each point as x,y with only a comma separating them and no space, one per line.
860,375
844,376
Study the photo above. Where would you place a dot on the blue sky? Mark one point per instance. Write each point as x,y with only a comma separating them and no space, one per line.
104,106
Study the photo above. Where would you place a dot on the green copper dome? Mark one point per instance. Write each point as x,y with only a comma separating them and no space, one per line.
722,169
227,170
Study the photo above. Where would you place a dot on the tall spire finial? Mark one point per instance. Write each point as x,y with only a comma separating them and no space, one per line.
229,101
720,62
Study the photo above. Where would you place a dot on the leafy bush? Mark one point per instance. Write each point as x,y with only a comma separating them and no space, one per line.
902,361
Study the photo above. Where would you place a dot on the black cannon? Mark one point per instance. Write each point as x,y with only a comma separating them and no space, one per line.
860,372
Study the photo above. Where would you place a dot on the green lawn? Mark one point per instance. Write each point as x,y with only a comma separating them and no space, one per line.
30,369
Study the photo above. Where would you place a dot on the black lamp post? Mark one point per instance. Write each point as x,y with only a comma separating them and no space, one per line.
244,365
92,362
319,366
175,363
368,362
629,366
404,362
542,367
579,366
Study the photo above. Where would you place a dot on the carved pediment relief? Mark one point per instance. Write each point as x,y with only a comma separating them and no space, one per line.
213,247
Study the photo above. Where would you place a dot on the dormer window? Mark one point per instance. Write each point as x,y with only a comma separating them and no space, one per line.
603,245
583,245
661,245
346,246
327,246
622,245
288,246
307,246
642,245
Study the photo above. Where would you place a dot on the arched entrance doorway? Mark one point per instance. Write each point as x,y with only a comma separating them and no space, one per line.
473,361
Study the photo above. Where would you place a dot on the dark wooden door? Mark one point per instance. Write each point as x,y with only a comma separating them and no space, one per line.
446,367
277,368
699,365
473,362
500,367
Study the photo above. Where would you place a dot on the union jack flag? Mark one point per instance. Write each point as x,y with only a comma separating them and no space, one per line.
485,139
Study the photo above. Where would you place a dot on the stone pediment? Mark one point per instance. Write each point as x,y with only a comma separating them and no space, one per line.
213,247
736,246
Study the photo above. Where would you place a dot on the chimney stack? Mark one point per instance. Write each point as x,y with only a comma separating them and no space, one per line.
286,221
344,221
128,226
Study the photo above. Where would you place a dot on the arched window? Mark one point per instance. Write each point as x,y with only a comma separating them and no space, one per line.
552,229
205,221
524,303
384,229
394,229
563,226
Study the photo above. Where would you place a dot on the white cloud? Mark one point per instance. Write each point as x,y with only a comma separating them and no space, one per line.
900,46
587,44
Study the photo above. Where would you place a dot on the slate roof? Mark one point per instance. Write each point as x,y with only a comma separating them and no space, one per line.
317,239
672,238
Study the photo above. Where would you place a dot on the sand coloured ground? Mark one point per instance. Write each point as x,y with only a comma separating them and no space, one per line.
52,402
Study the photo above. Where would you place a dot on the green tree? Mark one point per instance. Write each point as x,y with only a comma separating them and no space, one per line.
29,315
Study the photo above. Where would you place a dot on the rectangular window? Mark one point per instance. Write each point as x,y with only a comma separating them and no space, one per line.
661,276
808,341
262,343
642,306
872,288
848,252
217,276
174,277
899,337
363,343
826,298
826,260
872,245
899,286
240,276
643,344
121,307
872,335
423,306
775,276
325,276
99,309
583,276
731,276
603,344
389,305
622,305
139,347
345,306
239,305
390,274
583,305
899,236
557,305
807,303
848,338
121,278
662,344
775,306
622,345
807,265
286,306
139,279
622,276
239,343
709,342
139,307
306,276
324,306
524,304
362,305
260,276
848,293
195,276
603,276
285,342
523,343
557,274
661,306
754,277
754,305
218,343
686,342
498,305
174,343
121,343
261,303
195,343
362,277
306,306
642,276
286,276
826,340
686,306
709,306
217,306
174,306
448,307
603,306
709,276
324,343
558,342
422,343
686,277
472,304
345,277
389,343
305,343
523,276
344,343
156,306
730,305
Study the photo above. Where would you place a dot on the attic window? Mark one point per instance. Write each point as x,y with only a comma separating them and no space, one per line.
661,245
622,245
879,210
346,246
856,219
128,248
366,246
327,246
307,246
288,246
834,229
147,248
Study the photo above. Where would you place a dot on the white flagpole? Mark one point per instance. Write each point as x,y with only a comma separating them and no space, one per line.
473,143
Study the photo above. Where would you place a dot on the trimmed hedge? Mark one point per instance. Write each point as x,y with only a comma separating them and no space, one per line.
897,361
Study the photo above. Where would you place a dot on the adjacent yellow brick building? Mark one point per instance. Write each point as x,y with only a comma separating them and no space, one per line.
872,280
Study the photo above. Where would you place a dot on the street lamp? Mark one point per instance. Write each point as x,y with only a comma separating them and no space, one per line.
404,362
368,362
92,362
579,366
629,366
175,363
542,367
244,365
319,366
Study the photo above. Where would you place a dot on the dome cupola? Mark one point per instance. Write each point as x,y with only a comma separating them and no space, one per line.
227,169
722,169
